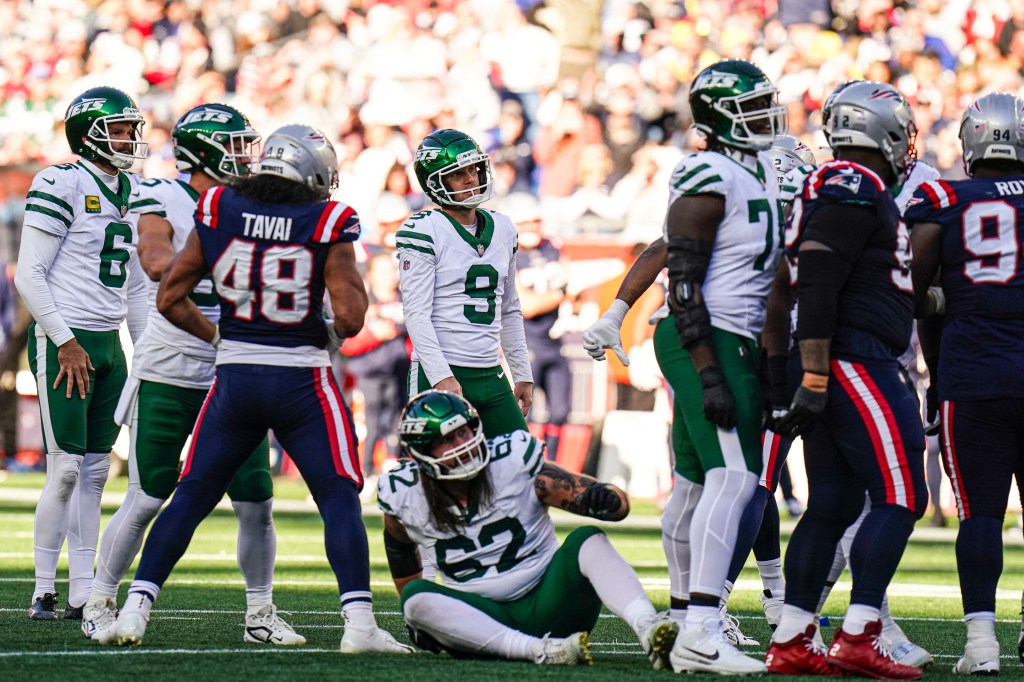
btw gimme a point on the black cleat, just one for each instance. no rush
(73, 612)
(44, 608)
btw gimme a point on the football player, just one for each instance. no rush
(79, 275)
(171, 373)
(273, 243)
(458, 281)
(860, 423)
(968, 233)
(479, 509)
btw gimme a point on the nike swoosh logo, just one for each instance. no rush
(701, 654)
(501, 374)
(49, 181)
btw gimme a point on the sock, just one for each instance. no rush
(794, 622)
(141, 597)
(979, 554)
(696, 615)
(726, 591)
(713, 528)
(357, 610)
(876, 552)
(51, 518)
(122, 539)
(981, 625)
(748, 531)
(459, 627)
(771, 576)
(857, 616)
(615, 581)
(678, 616)
(675, 534)
(84, 525)
(348, 550)
(767, 544)
(257, 549)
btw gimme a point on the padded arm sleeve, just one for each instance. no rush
(688, 261)
(403, 559)
(822, 274)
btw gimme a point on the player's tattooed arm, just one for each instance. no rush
(580, 494)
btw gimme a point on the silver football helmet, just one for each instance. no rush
(874, 115)
(787, 152)
(993, 129)
(300, 153)
(826, 107)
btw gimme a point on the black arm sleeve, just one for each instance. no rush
(822, 274)
(403, 559)
(844, 228)
(688, 261)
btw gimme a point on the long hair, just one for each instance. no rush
(270, 189)
(440, 503)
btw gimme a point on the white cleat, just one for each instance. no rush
(98, 615)
(657, 638)
(571, 650)
(901, 649)
(264, 626)
(980, 658)
(375, 641)
(707, 650)
(1020, 637)
(732, 632)
(128, 630)
(772, 603)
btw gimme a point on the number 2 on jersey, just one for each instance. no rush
(285, 272)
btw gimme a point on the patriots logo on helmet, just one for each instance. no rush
(846, 178)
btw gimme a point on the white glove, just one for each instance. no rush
(605, 333)
(333, 340)
(215, 341)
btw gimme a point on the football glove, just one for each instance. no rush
(933, 423)
(599, 501)
(605, 333)
(719, 405)
(333, 340)
(215, 341)
(803, 412)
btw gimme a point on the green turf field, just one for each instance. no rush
(196, 631)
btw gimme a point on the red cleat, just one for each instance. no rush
(866, 656)
(800, 656)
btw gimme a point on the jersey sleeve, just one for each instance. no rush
(148, 198)
(338, 223)
(413, 238)
(49, 205)
(793, 182)
(842, 182)
(929, 199)
(698, 174)
(516, 459)
(393, 488)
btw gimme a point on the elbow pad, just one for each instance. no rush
(688, 261)
(403, 559)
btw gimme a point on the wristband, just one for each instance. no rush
(813, 381)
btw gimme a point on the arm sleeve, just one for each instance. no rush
(138, 298)
(513, 334)
(841, 227)
(38, 249)
(416, 283)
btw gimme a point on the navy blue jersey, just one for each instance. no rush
(539, 269)
(876, 303)
(267, 262)
(982, 350)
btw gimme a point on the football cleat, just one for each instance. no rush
(980, 658)
(706, 649)
(901, 648)
(1020, 637)
(264, 626)
(772, 603)
(801, 655)
(657, 638)
(72, 612)
(865, 655)
(375, 641)
(44, 608)
(128, 630)
(732, 632)
(571, 650)
(98, 615)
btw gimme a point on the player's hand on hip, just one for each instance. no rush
(604, 334)
(450, 384)
(807, 406)
(75, 365)
(523, 391)
(933, 423)
(719, 405)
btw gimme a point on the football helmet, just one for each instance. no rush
(433, 414)
(735, 104)
(787, 152)
(826, 108)
(993, 129)
(216, 139)
(443, 152)
(302, 154)
(87, 127)
(874, 115)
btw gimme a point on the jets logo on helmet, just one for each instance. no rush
(734, 105)
(444, 152)
(433, 415)
(87, 123)
(215, 139)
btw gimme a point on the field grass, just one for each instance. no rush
(196, 631)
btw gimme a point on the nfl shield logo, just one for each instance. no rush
(405, 265)
(480, 249)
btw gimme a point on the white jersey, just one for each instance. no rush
(502, 551)
(748, 246)
(165, 353)
(459, 293)
(920, 173)
(88, 278)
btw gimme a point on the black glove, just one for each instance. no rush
(932, 424)
(805, 409)
(599, 500)
(719, 406)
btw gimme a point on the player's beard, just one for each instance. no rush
(442, 505)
